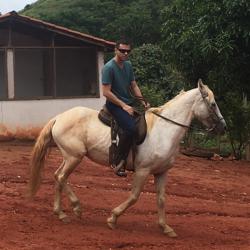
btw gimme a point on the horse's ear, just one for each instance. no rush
(202, 88)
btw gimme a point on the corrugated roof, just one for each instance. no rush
(57, 28)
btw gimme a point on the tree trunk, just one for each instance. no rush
(248, 152)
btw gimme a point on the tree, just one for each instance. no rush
(210, 40)
(238, 122)
(138, 20)
(159, 81)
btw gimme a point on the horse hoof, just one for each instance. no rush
(171, 234)
(110, 223)
(78, 213)
(66, 220)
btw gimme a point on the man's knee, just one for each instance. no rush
(131, 128)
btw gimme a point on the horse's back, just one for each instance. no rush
(78, 112)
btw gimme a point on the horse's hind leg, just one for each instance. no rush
(77, 208)
(61, 176)
(160, 182)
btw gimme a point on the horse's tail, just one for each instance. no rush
(39, 153)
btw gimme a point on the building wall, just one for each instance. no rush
(23, 119)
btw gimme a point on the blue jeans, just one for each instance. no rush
(127, 123)
(123, 118)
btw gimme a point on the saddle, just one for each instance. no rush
(141, 131)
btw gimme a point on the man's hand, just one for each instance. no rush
(128, 109)
(146, 105)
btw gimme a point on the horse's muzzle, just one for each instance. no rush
(221, 127)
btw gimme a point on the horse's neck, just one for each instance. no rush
(164, 137)
(180, 109)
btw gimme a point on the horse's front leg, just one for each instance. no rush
(160, 182)
(139, 179)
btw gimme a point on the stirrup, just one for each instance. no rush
(119, 169)
(121, 173)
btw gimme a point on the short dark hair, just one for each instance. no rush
(122, 41)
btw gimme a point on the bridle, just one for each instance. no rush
(212, 114)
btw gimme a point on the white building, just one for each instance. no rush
(44, 70)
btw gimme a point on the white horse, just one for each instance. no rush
(78, 133)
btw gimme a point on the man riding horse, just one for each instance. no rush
(117, 79)
(79, 133)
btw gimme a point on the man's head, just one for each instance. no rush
(122, 50)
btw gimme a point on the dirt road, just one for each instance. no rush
(208, 205)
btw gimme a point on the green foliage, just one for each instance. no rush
(210, 40)
(137, 20)
(153, 95)
(154, 73)
(237, 114)
(208, 142)
(149, 65)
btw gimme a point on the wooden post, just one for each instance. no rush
(10, 73)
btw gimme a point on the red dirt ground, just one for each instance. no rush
(208, 205)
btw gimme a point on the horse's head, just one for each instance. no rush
(207, 111)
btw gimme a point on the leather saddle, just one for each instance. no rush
(141, 130)
(141, 126)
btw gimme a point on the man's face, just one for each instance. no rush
(123, 51)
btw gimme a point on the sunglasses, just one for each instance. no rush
(123, 51)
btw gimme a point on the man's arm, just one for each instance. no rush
(106, 88)
(137, 92)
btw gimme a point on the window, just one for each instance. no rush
(4, 35)
(31, 74)
(63, 72)
(76, 72)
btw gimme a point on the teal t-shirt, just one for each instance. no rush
(119, 78)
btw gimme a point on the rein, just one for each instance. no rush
(169, 120)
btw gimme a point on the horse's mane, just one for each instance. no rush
(150, 117)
